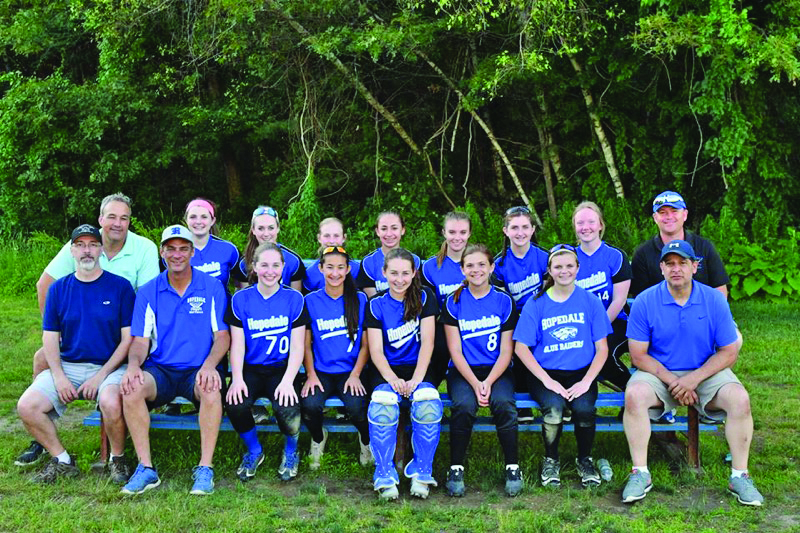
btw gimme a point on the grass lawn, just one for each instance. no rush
(339, 496)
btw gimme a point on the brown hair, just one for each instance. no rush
(471, 249)
(514, 212)
(548, 279)
(263, 247)
(252, 242)
(452, 215)
(389, 212)
(351, 305)
(412, 299)
(214, 229)
(594, 207)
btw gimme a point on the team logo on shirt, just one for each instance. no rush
(268, 327)
(401, 335)
(333, 328)
(564, 333)
(196, 305)
(446, 289)
(381, 285)
(212, 268)
(598, 280)
(484, 325)
(519, 289)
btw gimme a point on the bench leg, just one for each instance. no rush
(693, 435)
(100, 465)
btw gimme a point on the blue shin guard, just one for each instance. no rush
(426, 414)
(383, 414)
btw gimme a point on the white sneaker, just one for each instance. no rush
(317, 449)
(365, 458)
(419, 489)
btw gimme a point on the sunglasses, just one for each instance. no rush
(518, 210)
(265, 210)
(331, 249)
(668, 199)
(559, 247)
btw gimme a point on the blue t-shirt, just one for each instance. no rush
(600, 271)
(267, 323)
(293, 269)
(521, 277)
(89, 316)
(217, 259)
(481, 323)
(181, 328)
(401, 339)
(682, 337)
(443, 280)
(315, 280)
(334, 350)
(371, 272)
(562, 334)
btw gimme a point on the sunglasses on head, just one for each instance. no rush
(265, 210)
(331, 249)
(518, 210)
(559, 247)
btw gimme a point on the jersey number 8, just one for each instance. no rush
(491, 344)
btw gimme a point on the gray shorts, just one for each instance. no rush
(706, 391)
(77, 373)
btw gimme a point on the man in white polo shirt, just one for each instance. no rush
(179, 338)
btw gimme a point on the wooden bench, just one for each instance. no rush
(688, 424)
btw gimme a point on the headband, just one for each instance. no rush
(199, 202)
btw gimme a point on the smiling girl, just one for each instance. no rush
(331, 233)
(390, 228)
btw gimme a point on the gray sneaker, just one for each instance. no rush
(551, 472)
(455, 481)
(637, 487)
(745, 490)
(589, 475)
(54, 470)
(119, 470)
(513, 480)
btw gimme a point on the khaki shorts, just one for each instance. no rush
(77, 373)
(706, 392)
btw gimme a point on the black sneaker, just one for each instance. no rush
(172, 409)
(524, 414)
(455, 481)
(589, 475)
(31, 455)
(54, 470)
(513, 480)
(551, 472)
(119, 470)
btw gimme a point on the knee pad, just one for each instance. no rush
(426, 405)
(384, 407)
(426, 413)
(584, 420)
(552, 416)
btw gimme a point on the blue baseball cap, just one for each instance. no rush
(176, 232)
(677, 246)
(670, 198)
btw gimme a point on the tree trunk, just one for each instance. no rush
(544, 153)
(552, 149)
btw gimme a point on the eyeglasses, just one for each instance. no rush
(518, 210)
(559, 247)
(331, 249)
(265, 210)
(668, 199)
(94, 245)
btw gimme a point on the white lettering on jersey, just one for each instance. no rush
(596, 281)
(519, 289)
(273, 325)
(571, 318)
(401, 335)
(196, 305)
(212, 268)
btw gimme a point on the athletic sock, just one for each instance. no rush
(642, 469)
(64, 457)
(250, 439)
(737, 473)
(111, 456)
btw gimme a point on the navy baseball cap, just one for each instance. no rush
(176, 232)
(682, 248)
(85, 230)
(670, 198)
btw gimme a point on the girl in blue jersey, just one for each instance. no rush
(331, 233)
(389, 228)
(442, 273)
(264, 227)
(561, 339)
(336, 352)
(212, 255)
(606, 273)
(479, 322)
(400, 329)
(268, 328)
(520, 269)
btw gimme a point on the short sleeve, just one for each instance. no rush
(127, 300)
(139, 321)
(430, 307)
(239, 272)
(638, 323)
(639, 273)
(426, 277)
(512, 317)
(51, 320)
(234, 313)
(300, 271)
(370, 318)
(363, 280)
(303, 318)
(528, 330)
(149, 265)
(601, 326)
(218, 322)
(725, 327)
(62, 264)
(449, 311)
(717, 276)
(623, 272)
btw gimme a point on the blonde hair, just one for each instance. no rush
(329, 220)
(452, 215)
(594, 207)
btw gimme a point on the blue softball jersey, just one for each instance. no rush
(89, 316)
(481, 322)
(315, 280)
(267, 323)
(521, 277)
(442, 279)
(217, 259)
(562, 334)
(334, 350)
(401, 339)
(682, 337)
(181, 328)
(600, 271)
(371, 272)
(293, 269)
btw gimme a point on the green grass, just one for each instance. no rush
(338, 497)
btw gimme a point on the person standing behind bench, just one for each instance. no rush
(87, 319)
(683, 341)
(182, 312)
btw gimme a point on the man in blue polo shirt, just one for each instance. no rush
(179, 317)
(683, 341)
(86, 334)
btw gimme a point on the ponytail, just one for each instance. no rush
(459, 290)
(452, 215)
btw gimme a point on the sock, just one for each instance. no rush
(64, 457)
(512, 467)
(642, 469)
(737, 473)
(111, 456)
(250, 439)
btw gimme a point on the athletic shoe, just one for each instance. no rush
(260, 414)
(119, 470)
(419, 489)
(513, 480)
(566, 414)
(388, 493)
(172, 409)
(455, 481)
(144, 478)
(745, 490)
(203, 477)
(704, 419)
(365, 458)
(637, 487)
(589, 475)
(31, 455)
(55, 469)
(666, 418)
(249, 465)
(317, 449)
(524, 414)
(288, 469)
(551, 472)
